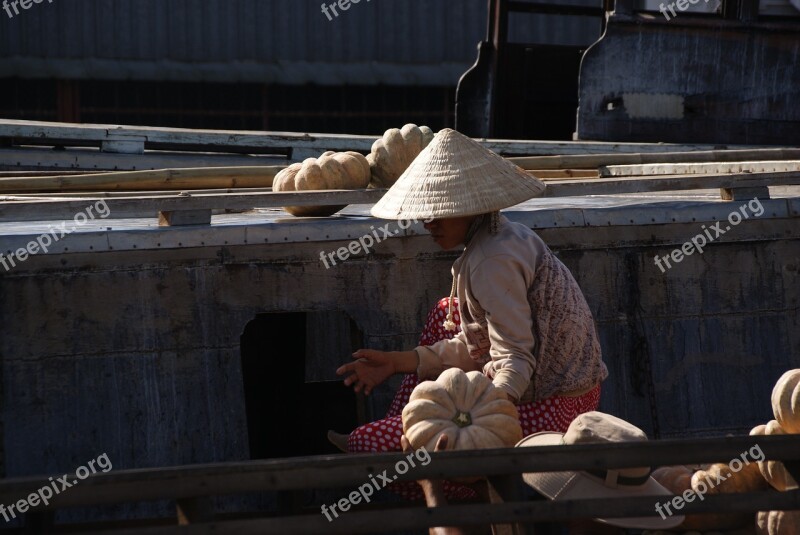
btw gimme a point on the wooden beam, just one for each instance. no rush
(255, 142)
(526, 512)
(593, 161)
(617, 186)
(563, 173)
(160, 179)
(93, 160)
(710, 168)
(149, 206)
(345, 471)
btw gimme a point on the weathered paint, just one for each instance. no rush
(736, 82)
(136, 353)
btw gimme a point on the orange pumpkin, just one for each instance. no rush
(778, 522)
(720, 479)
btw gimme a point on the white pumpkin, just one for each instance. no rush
(786, 401)
(467, 407)
(394, 151)
(332, 170)
(774, 471)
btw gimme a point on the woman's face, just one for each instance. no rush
(450, 232)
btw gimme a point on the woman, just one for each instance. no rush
(524, 321)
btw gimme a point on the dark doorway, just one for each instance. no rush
(292, 395)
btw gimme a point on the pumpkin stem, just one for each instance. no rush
(462, 419)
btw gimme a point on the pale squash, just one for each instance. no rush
(467, 407)
(394, 151)
(676, 479)
(786, 401)
(778, 522)
(774, 472)
(332, 170)
(718, 478)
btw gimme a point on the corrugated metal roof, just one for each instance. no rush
(373, 41)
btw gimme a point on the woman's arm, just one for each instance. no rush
(372, 367)
(453, 353)
(500, 285)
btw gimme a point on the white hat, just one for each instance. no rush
(592, 428)
(456, 176)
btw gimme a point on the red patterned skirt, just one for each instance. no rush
(550, 414)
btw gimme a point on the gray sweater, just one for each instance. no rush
(524, 320)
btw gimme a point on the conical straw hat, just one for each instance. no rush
(456, 176)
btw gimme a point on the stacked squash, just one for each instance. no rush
(390, 156)
(752, 477)
(394, 151)
(786, 409)
(332, 170)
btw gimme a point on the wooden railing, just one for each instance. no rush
(150, 204)
(281, 146)
(191, 486)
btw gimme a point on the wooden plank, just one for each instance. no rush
(593, 161)
(710, 168)
(11, 174)
(141, 206)
(149, 206)
(172, 179)
(256, 141)
(504, 489)
(551, 174)
(93, 160)
(109, 194)
(414, 518)
(161, 138)
(621, 185)
(347, 471)
(49, 197)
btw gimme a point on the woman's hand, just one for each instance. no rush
(371, 368)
